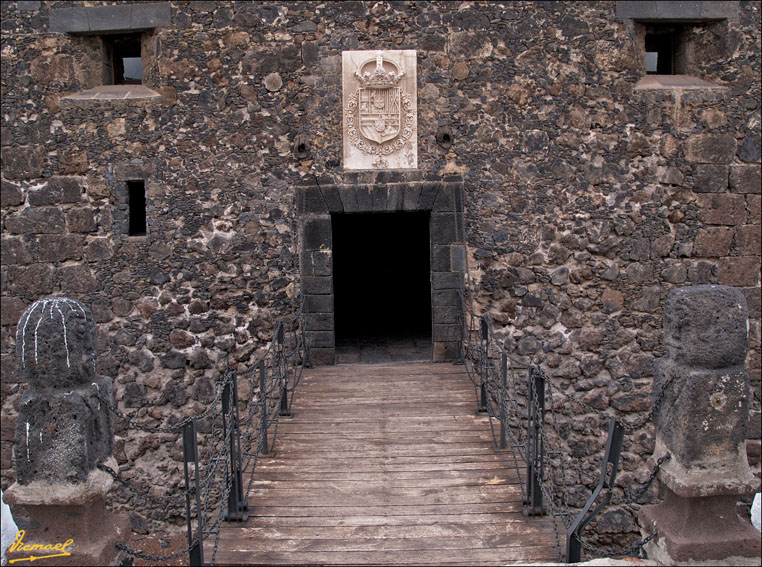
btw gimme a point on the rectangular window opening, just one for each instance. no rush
(665, 47)
(136, 198)
(123, 59)
(660, 49)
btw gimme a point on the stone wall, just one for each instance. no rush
(586, 199)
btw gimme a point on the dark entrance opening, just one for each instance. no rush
(381, 276)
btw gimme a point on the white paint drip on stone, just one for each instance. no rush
(51, 303)
(27, 441)
(66, 340)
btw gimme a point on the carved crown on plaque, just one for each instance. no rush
(379, 110)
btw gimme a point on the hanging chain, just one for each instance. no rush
(174, 500)
(631, 551)
(154, 558)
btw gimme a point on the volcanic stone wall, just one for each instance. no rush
(586, 199)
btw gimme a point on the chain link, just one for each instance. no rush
(154, 558)
(174, 500)
(636, 547)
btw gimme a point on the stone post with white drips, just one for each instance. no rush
(62, 432)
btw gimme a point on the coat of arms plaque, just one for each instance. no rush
(379, 110)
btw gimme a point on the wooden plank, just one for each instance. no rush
(259, 535)
(430, 556)
(292, 519)
(330, 543)
(441, 476)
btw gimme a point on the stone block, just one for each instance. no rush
(458, 258)
(99, 249)
(710, 148)
(317, 233)
(748, 240)
(705, 326)
(23, 162)
(709, 178)
(72, 162)
(56, 190)
(317, 285)
(445, 315)
(318, 303)
(173, 359)
(57, 248)
(332, 199)
(702, 272)
(10, 194)
(319, 339)
(745, 179)
(310, 201)
(719, 208)
(443, 228)
(447, 280)
(712, 401)
(755, 211)
(69, 20)
(750, 148)
(364, 196)
(11, 309)
(412, 197)
(395, 196)
(37, 220)
(318, 322)
(446, 297)
(81, 220)
(440, 258)
(349, 201)
(28, 5)
(146, 15)
(753, 297)
(428, 196)
(713, 242)
(446, 333)
(741, 271)
(77, 280)
(14, 251)
(36, 279)
(322, 356)
(108, 18)
(445, 350)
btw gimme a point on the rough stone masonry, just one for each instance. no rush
(587, 194)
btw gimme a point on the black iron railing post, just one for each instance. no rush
(484, 336)
(237, 505)
(535, 444)
(190, 454)
(611, 456)
(284, 409)
(503, 399)
(263, 400)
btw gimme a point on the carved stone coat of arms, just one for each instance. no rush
(380, 114)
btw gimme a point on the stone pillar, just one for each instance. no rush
(62, 432)
(701, 421)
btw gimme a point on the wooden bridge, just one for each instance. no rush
(385, 464)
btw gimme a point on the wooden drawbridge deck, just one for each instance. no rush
(385, 465)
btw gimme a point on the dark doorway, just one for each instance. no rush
(381, 275)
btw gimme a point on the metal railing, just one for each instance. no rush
(519, 399)
(223, 443)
